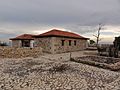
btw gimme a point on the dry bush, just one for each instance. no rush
(59, 68)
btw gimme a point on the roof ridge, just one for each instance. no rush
(56, 32)
(23, 36)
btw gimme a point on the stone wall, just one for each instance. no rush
(16, 43)
(58, 48)
(45, 43)
(54, 44)
(99, 61)
(12, 52)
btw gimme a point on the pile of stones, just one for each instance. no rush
(11, 52)
(35, 74)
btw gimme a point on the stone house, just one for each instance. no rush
(54, 41)
(57, 41)
(25, 40)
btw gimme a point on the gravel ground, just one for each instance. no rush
(55, 72)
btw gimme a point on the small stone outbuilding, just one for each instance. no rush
(25, 40)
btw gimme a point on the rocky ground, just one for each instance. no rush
(55, 72)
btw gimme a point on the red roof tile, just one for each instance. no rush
(23, 37)
(55, 32)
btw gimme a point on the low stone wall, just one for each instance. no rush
(11, 52)
(102, 62)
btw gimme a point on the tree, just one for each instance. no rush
(98, 34)
(3, 44)
(92, 42)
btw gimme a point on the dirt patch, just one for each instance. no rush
(59, 68)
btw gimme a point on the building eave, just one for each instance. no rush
(60, 36)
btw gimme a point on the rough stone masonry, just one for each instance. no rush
(12, 52)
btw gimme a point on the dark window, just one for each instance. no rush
(75, 42)
(63, 42)
(25, 43)
(69, 42)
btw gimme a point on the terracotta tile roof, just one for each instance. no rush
(55, 32)
(23, 37)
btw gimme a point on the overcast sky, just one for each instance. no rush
(80, 16)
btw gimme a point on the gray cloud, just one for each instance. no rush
(59, 11)
(25, 16)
